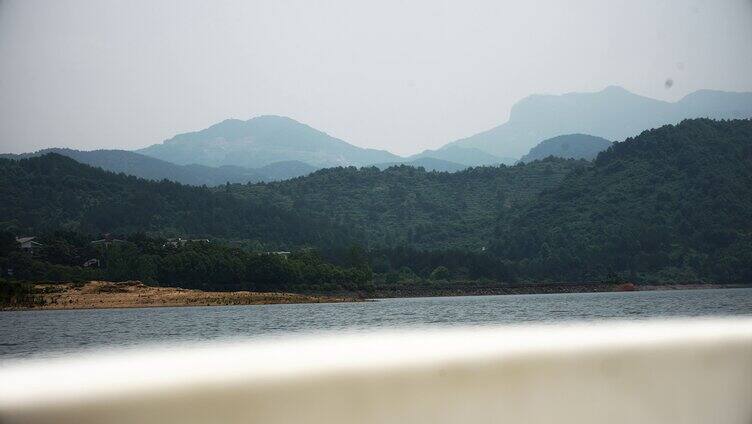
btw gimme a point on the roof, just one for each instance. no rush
(107, 241)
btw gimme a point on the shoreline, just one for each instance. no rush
(459, 290)
(134, 294)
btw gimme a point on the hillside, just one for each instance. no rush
(410, 206)
(613, 113)
(337, 206)
(262, 141)
(674, 202)
(54, 192)
(149, 168)
(570, 146)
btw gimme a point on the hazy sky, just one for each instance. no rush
(398, 75)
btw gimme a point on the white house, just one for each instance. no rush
(27, 244)
(107, 241)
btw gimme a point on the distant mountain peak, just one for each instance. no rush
(275, 118)
(613, 113)
(260, 141)
(615, 89)
(568, 146)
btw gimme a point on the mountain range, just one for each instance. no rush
(131, 163)
(262, 141)
(269, 148)
(613, 113)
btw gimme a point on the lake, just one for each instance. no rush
(57, 333)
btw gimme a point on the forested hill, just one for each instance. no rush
(398, 206)
(53, 192)
(404, 205)
(674, 200)
(674, 203)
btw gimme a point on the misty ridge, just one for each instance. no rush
(273, 148)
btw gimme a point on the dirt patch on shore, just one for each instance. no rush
(134, 294)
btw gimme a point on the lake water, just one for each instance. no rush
(57, 333)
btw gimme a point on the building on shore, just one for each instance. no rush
(107, 241)
(27, 244)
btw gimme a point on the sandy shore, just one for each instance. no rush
(134, 294)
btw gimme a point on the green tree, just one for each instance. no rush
(440, 273)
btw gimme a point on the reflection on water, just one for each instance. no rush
(52, 333)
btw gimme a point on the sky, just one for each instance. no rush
(397, 75)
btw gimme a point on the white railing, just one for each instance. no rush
(697, 371)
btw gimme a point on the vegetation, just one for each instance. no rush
(408, 206)
(17, 294)
(194, 264)
(330, 208)
(52, 192)
(673, 204)
(427, 163)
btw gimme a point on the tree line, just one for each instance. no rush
(191, 264)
